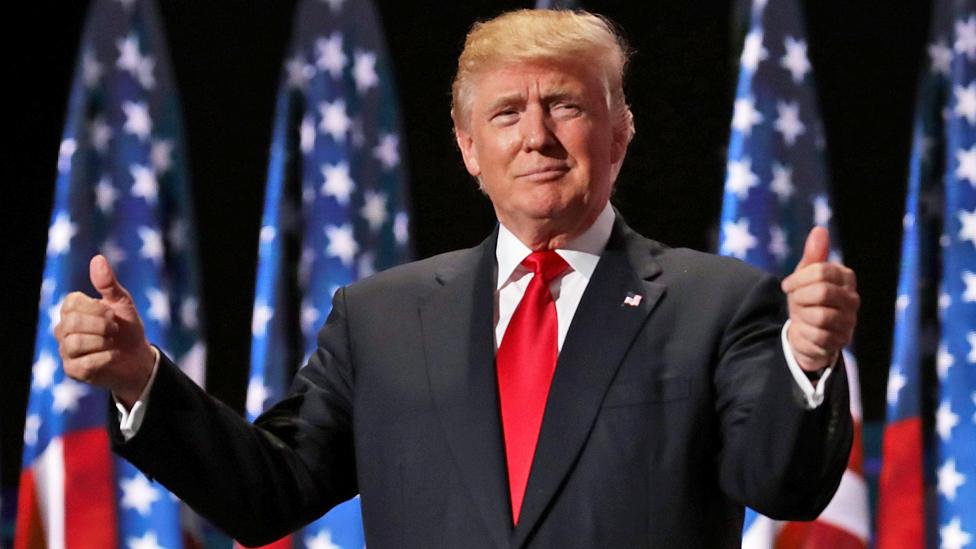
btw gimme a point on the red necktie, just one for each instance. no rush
(526, 360)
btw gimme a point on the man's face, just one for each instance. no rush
(540, 139)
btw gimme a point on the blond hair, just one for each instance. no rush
(545, 35)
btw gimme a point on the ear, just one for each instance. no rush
(618, 147)
(468, 151)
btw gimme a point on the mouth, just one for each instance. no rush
(544, 173)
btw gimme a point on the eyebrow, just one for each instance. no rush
(550, 96)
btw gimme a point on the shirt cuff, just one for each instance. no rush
(813, 395)
(131, 420)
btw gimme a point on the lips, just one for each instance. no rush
(544, 173)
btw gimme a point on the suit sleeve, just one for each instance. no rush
(776, 456)
(257, 482)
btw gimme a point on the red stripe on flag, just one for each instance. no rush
(901, 504)
(89, 492)
(29, 533)
(283, 543)
(816, 535)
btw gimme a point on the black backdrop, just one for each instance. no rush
(226, 57)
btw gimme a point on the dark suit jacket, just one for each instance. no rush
(662, 421)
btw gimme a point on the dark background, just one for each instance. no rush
(227, 55)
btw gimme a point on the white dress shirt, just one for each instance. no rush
(582, 254)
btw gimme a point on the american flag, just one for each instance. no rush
(775, 192)
(335, 205)
(121, 190)
(936, 308)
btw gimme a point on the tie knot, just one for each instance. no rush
(547, 264)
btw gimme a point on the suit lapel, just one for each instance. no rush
(599, 336)
(458, 332)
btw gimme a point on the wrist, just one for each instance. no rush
(142, 372)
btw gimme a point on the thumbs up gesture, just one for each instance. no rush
(823, 303)
(102, 341)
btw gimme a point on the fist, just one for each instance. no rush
(823, 304)
(102, 341)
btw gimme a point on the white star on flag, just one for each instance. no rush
(161, 155)
(91, 69)
(299, 73)
(112, 252)
(194, 363)
(821, 211)
(740, 178)
(54, 313)
(967, 164)
(257, 393)
(158, 305)
(950, 479)
(778, 246)
(105, 195)
(129, 57)
(335, 121)
(32, 427)
(42, 373)
(896, 382)
(259, 319)
(137, 121)
(738, 240)
(66, 395)
(965, 102)
(940, 56)
(953, 536)
(386, 151)
(267, 234)
(782, 183)
(322, 540)
(342, 243)
(968, 229)
(374, 209)
(971, 340)
(188, 313)
(943, 361)
(147, 541)
(901, 303)
(145, 185)
(366, 265)
(945, 420)
(400, 228)
(795, 60)
(745, 115)
(101, 134)
(65, 153)
(152, 244)
(338, 183)
(331, 58)
(60, 233)
(788, 123)
(364, 71)
(138, 494)
(969, 294)
(307, 134)
(966, 37)
(309, 316)
(753, 51)
(144, 73)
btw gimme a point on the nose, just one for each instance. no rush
(537, 134)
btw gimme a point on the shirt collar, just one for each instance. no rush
(582, 252)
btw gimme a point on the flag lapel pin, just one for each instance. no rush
(632, 299)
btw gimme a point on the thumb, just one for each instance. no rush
(816, 248)
(103, 279)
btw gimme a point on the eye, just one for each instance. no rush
(504, 117)
(566, 110)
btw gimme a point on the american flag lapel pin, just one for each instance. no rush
(632, 299)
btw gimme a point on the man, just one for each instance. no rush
(567, 383)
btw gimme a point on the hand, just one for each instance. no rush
(102, 341)
(823, 303)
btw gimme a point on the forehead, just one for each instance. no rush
(521, 79)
